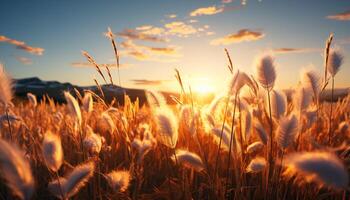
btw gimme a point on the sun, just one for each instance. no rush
(203, 89)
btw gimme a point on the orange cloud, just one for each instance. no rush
(171, 16)
(211, 10)
(226, 1)
(285, 50)
(241, 36)
(140, 35)
(344, 16)
(24, 60)
(22, 45)
(141, 52)
(147, 82)
(179, 28)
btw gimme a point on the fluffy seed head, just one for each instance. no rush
(259, 129)
(88, 103)
(52, 151)
(167, 126)
(335, 60)
(32, 99)
(71, 184)
(142, 147)
(189, 160)
(15, 169)
(302, 99)
(5, 87)
(93, 143)
(278, 104)
(73, 106)
(255, 147)
(119, 180)
(155, 99)
(265, 71)
(287, 130)
(311, 79)
(256, 165)
(322, 168)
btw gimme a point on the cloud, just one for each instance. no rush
(210, 33)
(344, 16)
(24, 60)
(110, 65)
(171, 16)
(22, 45)
(243, 35)
(211, 10)
(193, 21)
(179, 28)
(142, 52)
(147, 82)
(226, 1)
(145, 34)
(286, 50)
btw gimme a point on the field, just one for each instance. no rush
(249, 142)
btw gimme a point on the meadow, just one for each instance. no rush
(249, 142)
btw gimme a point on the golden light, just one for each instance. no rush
(202, 86)
(203, 89)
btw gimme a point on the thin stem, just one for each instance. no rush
(271, 142)
(331, 114)
(8, 122)
(231, 139)
(220, 141)
(59, 184)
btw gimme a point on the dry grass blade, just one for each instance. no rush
(92, 61)
(230, 66)
(111, 36)
(326, 56)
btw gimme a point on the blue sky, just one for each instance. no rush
(192, 41)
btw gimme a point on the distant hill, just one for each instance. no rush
(55, 89)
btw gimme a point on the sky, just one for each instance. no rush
(45, 39)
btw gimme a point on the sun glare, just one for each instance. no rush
(203, 89)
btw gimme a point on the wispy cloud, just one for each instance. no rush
(226, 1)
(22, 45)
(148, 82)
(340, 16)
(171, 16)
(146, 34)
(180, 28)
(193, 21)
(243, 35)
(211, 10)
(142, 52)
(110, 65)
(24, 60)
(286, 50)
